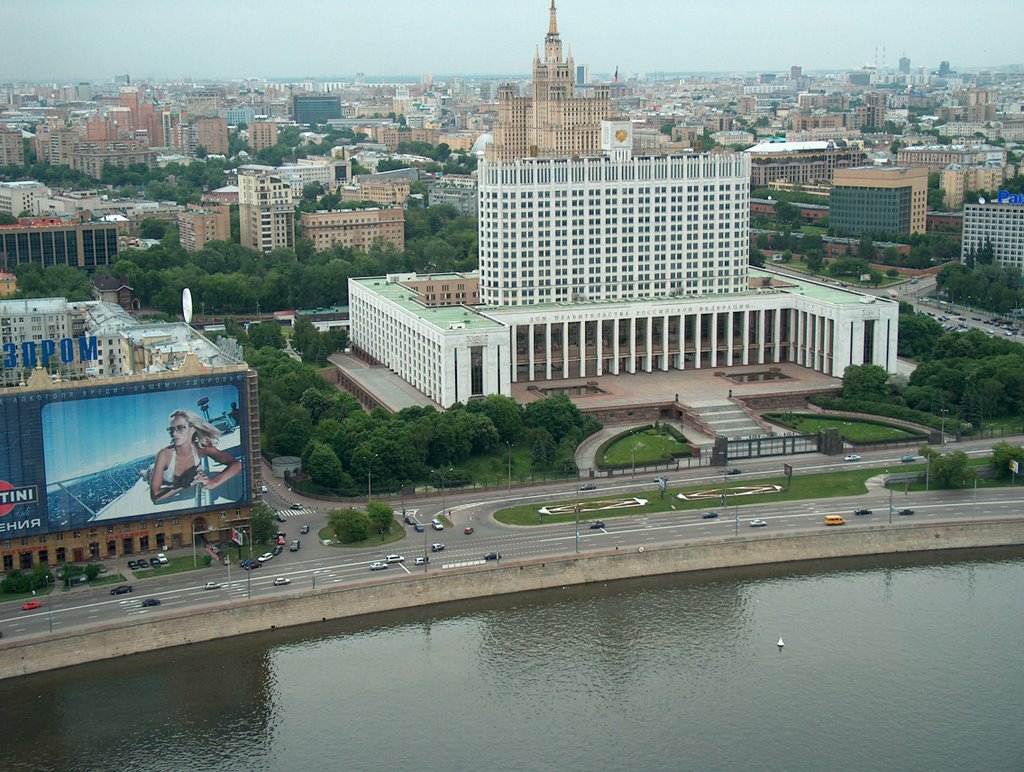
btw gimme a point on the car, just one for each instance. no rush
(247, 563)
(161, 558)
(862, 511)
(588, 487)
(121, 589)
(282, 538)
(468, 530)
(294, 546)
(104, 569)
(282, 580)
(419, 527)
(297, 506)
(852, 457)
(378, 566)
(151, 602)
(735, 471)
(437, 525)
(277, 550)
(710, 516)
(265, 557)
(407, 519)
(212, 586)
(905, 512)
(31, 605)
(437, 547)
(264, 489)
(394, 559)
(492, 556)
(253, 565)
(758, 523)
(133, 566)
(975, 318)
(143, 563)
(281, 518)
(421, 560)
(304, 529)
(908, 459)
(596, 525)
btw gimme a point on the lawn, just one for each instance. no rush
(325, 534)
(651, 446)
(817, 486)
(177, 565)
(849, 429)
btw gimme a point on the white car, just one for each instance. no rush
(378, 566)
(211, 586)
(161, 558)
(421, 560)
(265, 557)
(758, 523)
(394, 559)
(852, 457)
(281, 580)
(437, 525)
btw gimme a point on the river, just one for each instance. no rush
(909, 663)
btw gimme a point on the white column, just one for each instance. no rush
(565, 349)
(760, 336)
(649, 354)
(514, 352)
(598, 341)
(682, 342)
(746, 337)
(730, 335)
(547, 351)
(615, 346)
(777, 319)
(664, 342)
(697, 325)
(799, 338)
(632, 323)
(714, 340)
(583, 348)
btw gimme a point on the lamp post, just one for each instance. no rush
(942, 430)
(634, 461)
(577, 519)
(509, 444)
(369, 476)
(441, 473)
(890, 495)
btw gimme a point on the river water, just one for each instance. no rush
(903, 663)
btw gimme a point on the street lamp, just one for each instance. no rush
(634, 461)
(369, 476)
(441, 473)
(509, 444)
(577, 519)
(887, 485)
(942, 430)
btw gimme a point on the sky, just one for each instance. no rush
(70, 40)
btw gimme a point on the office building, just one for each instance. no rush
(18, 197)
(1000, 225)
(800, 163)
(605, 263)
(198, 225)
(937, 157)
(904, 65)
(314, 110)
(55, 242)
(357, 229)
(879, 200)
(266, 213)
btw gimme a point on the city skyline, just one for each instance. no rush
(651, 37)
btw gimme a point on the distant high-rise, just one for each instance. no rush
(212, 134)
(943, 69)
(904, 65)
(582, 74)
(553, 121)
(262, 134)
(796, 72)
(265, 211)
(315, 110)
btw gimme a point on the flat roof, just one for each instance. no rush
(441, 317)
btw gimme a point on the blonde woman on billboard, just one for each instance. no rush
(185, 464)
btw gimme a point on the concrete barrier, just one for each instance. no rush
(65, 649)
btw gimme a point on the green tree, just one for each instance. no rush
(950, 470)
(382, 516)
(92, 571)
(293, 437)
(261, 524)
(557, 414)
(8, 219)
(265, 334)
(317, 403)
(323, 465)
(543, 450)
(864, 382)
(349, 525)
(1002, 454)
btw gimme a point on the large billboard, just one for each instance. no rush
(92, 456)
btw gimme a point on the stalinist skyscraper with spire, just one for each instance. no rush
(553, 122)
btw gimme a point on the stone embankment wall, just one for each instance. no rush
(442, 585)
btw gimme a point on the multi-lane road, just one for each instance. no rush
(317, 566)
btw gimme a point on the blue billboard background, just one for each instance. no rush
(89, 451)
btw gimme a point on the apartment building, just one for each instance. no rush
(354, 228)
(20, 196)
(12, 148)
(198, 225)
(262, 134)
(212, 134)
(265, 211)
(800, 162)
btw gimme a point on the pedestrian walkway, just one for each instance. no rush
(303, 512)
(727, 419)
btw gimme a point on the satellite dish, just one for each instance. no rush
(186, 305)
(981, 200)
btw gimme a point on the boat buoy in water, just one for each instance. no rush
(780, 644)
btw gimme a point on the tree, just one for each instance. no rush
(864, 382)
(949, 471)
(544, 449)
(92, 571)
(292, 438)
(349, 525)
(317, 403)
(556, 414)
(266, 334)
(261, 524)
(8, 219)
(322, 465)
(382, 516)
(1002, 454)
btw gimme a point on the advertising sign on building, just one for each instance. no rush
(90, 457)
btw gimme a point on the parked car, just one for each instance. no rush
(304, 529)
(908, 459)
(248, 563)
(596, 525)
(378, 566)
(492, 556)
(437, 547)
(758, 523)
(394, 559)
(468, 530)
(735, 471)
(419, 527)
(32, 604)
(852, 457)
(421, 560)
(212, 586)
(161, 558)
(151, 602)
(133, 566)
(143, 563)
(710, 516)
(265, 557)
(588, 487)
(282, 580)
(906, 512)
(862, 511)
(253, 565)
(121, 589)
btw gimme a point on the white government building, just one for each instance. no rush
(604, 262)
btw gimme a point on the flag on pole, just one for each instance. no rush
(237, 537)
(616, 73)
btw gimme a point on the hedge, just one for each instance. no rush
(884, 409)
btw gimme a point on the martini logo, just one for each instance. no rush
(12, 495)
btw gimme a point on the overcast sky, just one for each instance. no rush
(95, 39)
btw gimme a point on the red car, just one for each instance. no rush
(469, 530)
(31, 605)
